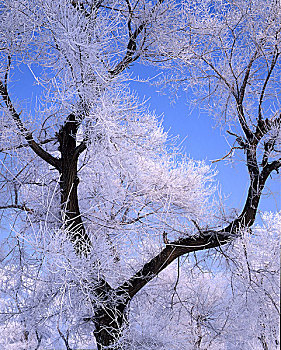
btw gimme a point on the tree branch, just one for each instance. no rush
(26, 133)
(43, 142)
(270, 167)
(131, 50)
(242, 89)
(273, 63)
(239, 100)
(79, 149)
(17, 206)
(80, 6)
(132, 43)
(205, 240)
(222, 158)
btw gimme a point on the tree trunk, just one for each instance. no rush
(69, 181)
(110, 316)
(109, 321)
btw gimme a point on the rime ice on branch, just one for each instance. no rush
(106, 214)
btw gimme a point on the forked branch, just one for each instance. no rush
(131, 54)
(25, 132)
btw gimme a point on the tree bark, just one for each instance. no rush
(69, 181)
(109, 321)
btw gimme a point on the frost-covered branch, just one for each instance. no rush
(25, 133)
(112, 200)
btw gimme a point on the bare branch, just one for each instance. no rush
(43, 142)
(79, 149)
(270, 167)
(231, 150)
(273, 63)
(26, 133)
(7, 71)
(65, 339)
(239, 100)
(230, 87)
(131, 53)
(80, 6)
(17, 206)
(205, 240)
(242, 90)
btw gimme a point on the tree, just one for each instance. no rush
(99, 200)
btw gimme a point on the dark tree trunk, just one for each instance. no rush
(110, 315)
(69, 181)
(109, 321)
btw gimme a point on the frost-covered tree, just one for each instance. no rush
(100, 203)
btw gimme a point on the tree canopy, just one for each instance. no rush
(105, 213)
